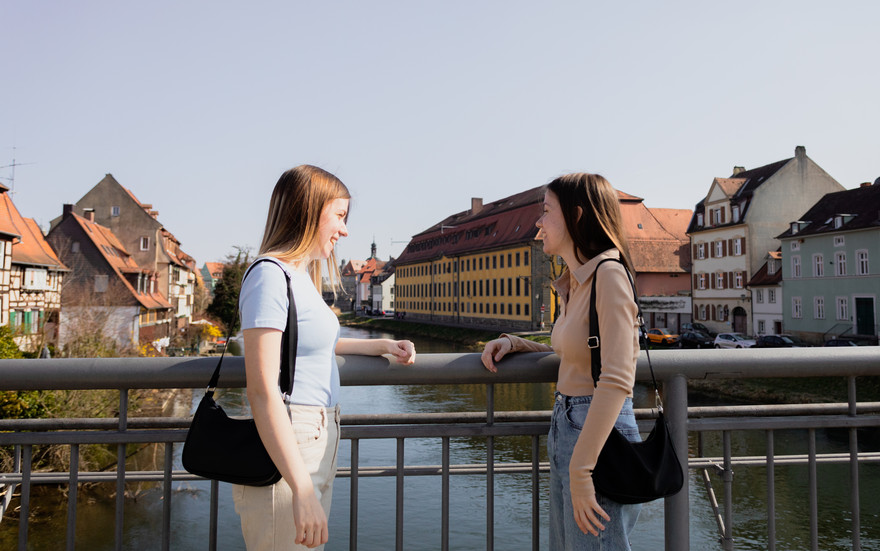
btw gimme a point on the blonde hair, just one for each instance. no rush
(295, 210)
(600, 227)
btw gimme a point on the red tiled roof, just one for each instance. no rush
(120, 261)
(31, 247)
(215, 269)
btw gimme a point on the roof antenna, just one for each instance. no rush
(11, 179)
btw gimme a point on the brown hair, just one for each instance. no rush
(601, 226)
(295, 210)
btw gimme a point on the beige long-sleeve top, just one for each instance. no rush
(619, 347)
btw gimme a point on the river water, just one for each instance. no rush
(376, 521)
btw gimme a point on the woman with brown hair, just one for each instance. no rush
(581, 223)
(307, 216)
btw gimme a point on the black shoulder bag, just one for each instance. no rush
(227, 449)
(633, 472)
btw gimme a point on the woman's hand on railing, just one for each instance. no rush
(403, 351)
(494, 351)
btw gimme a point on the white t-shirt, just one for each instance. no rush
(263, 304)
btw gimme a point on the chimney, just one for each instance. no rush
(800, 152)
(866, 184)
(476, 204)
(738, 170)
(66, 211)
(89, 214)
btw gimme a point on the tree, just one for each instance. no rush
(225, 303)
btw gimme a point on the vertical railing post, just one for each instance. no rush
(72, 491)
(25, 500)
(855, 506)
(167, 484)
(353, 495)
(677, 508)
(120, 469)
(444, 519)
(771, 492)
(727, 477)
(490, 470)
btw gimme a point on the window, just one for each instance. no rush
(719, 280)
(501, 257)
(114, 211)
(737, 246)
(862, 267)
(839, 241)
(734, 214)
(760, 326)
(796, 266)
(759, 295)
(74, 247)
(719, 249)
(819, 308)
(526, 260)
(772, 266)
(738, 280)
(838, 222)
(796, 311)
(771, 295)
(842, 309)
(101, 283)
(35, 279)
(701, 251)
(795, 245)
(517, 259)
(840, 264)
(716, 216)
(818, 265)
(702, 311)
(701, 281)
(699, 220)
(145, 243)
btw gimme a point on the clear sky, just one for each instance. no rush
(198, 107)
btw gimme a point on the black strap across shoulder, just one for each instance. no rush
(289, 340)
(594, 342)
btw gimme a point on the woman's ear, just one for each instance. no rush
(580, 213)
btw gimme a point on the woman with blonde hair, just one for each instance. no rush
(581, 223)
(307, 216)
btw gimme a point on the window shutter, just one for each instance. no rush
(695, 251)
(730, 246)
(696, 281)
(713, 313)
(724, 248)
(722, 214)
(711, 247)
(742, 245)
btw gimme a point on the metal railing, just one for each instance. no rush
(673, 369)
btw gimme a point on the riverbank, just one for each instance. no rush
(473, 339)
(764, 391)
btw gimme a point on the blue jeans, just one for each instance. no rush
(569, 414)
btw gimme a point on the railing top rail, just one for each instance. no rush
(121, 373)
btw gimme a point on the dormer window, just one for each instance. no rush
(838, 222)
(794, 227)
(700, 220)
(734, 214)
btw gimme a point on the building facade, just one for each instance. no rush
(32, 278)
(737, 224)
(831, 267)
(149, 243)
(106, 292)
(765, 289)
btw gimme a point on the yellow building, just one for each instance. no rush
(481, 267)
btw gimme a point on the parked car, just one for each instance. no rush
(733, 340)
(698, 327)
(661, 335)
(779, 341)
(840, 342)
(695, 339)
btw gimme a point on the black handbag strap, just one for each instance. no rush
(289, 340)
(594, 342)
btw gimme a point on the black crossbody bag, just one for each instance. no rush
(633, 472)
(229, 449)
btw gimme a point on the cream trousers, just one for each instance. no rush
(267, 512)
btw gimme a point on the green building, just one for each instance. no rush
(831, 268)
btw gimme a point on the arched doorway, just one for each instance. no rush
(740, 320)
